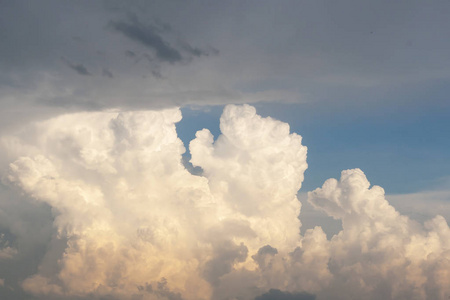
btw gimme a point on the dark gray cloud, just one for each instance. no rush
(267, 249)
(226, 255)
(149, 37)
(160, 290)
(130, 53)
(107, 73)
(275, 294)
(261, 256)
(27, 229)
(79, 68)
(195, 51)
(295, 52)
(156, 36)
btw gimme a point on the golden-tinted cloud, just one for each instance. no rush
(136, 224)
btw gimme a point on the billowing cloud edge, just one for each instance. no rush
(138, 225)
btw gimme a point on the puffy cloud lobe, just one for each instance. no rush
(132, 214)
(255, 166)
(135, 224)
(120, 196)
(380, 253)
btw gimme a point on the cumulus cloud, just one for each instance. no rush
(256, 166)
(132, 222)
(381, 253)
(132, 214)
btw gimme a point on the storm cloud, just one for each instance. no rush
(120, 194)
(218, 53)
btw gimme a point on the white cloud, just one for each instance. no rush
(121, 195)
(379, 251)
(256, 167)
(135, 224)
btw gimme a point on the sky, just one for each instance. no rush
(250, 150)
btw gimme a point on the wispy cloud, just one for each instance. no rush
(149, 37)
(77, 67)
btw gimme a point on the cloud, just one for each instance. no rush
(107, 73)
(130, 53)
(437, 203)
(6, 251)
(379, 251)
(142, 204)
(131, 222)
(79, 68)
(258, 61)
(36, 85)
(149, 37)
(274, 294)
(153, 38)
(225, 257)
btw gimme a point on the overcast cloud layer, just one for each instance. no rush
(129, 221)
(88, 55)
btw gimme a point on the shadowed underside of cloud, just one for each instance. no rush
(133, 223)
(123, 55)
(279, 295)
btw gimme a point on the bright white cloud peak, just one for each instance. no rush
(138, 225)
